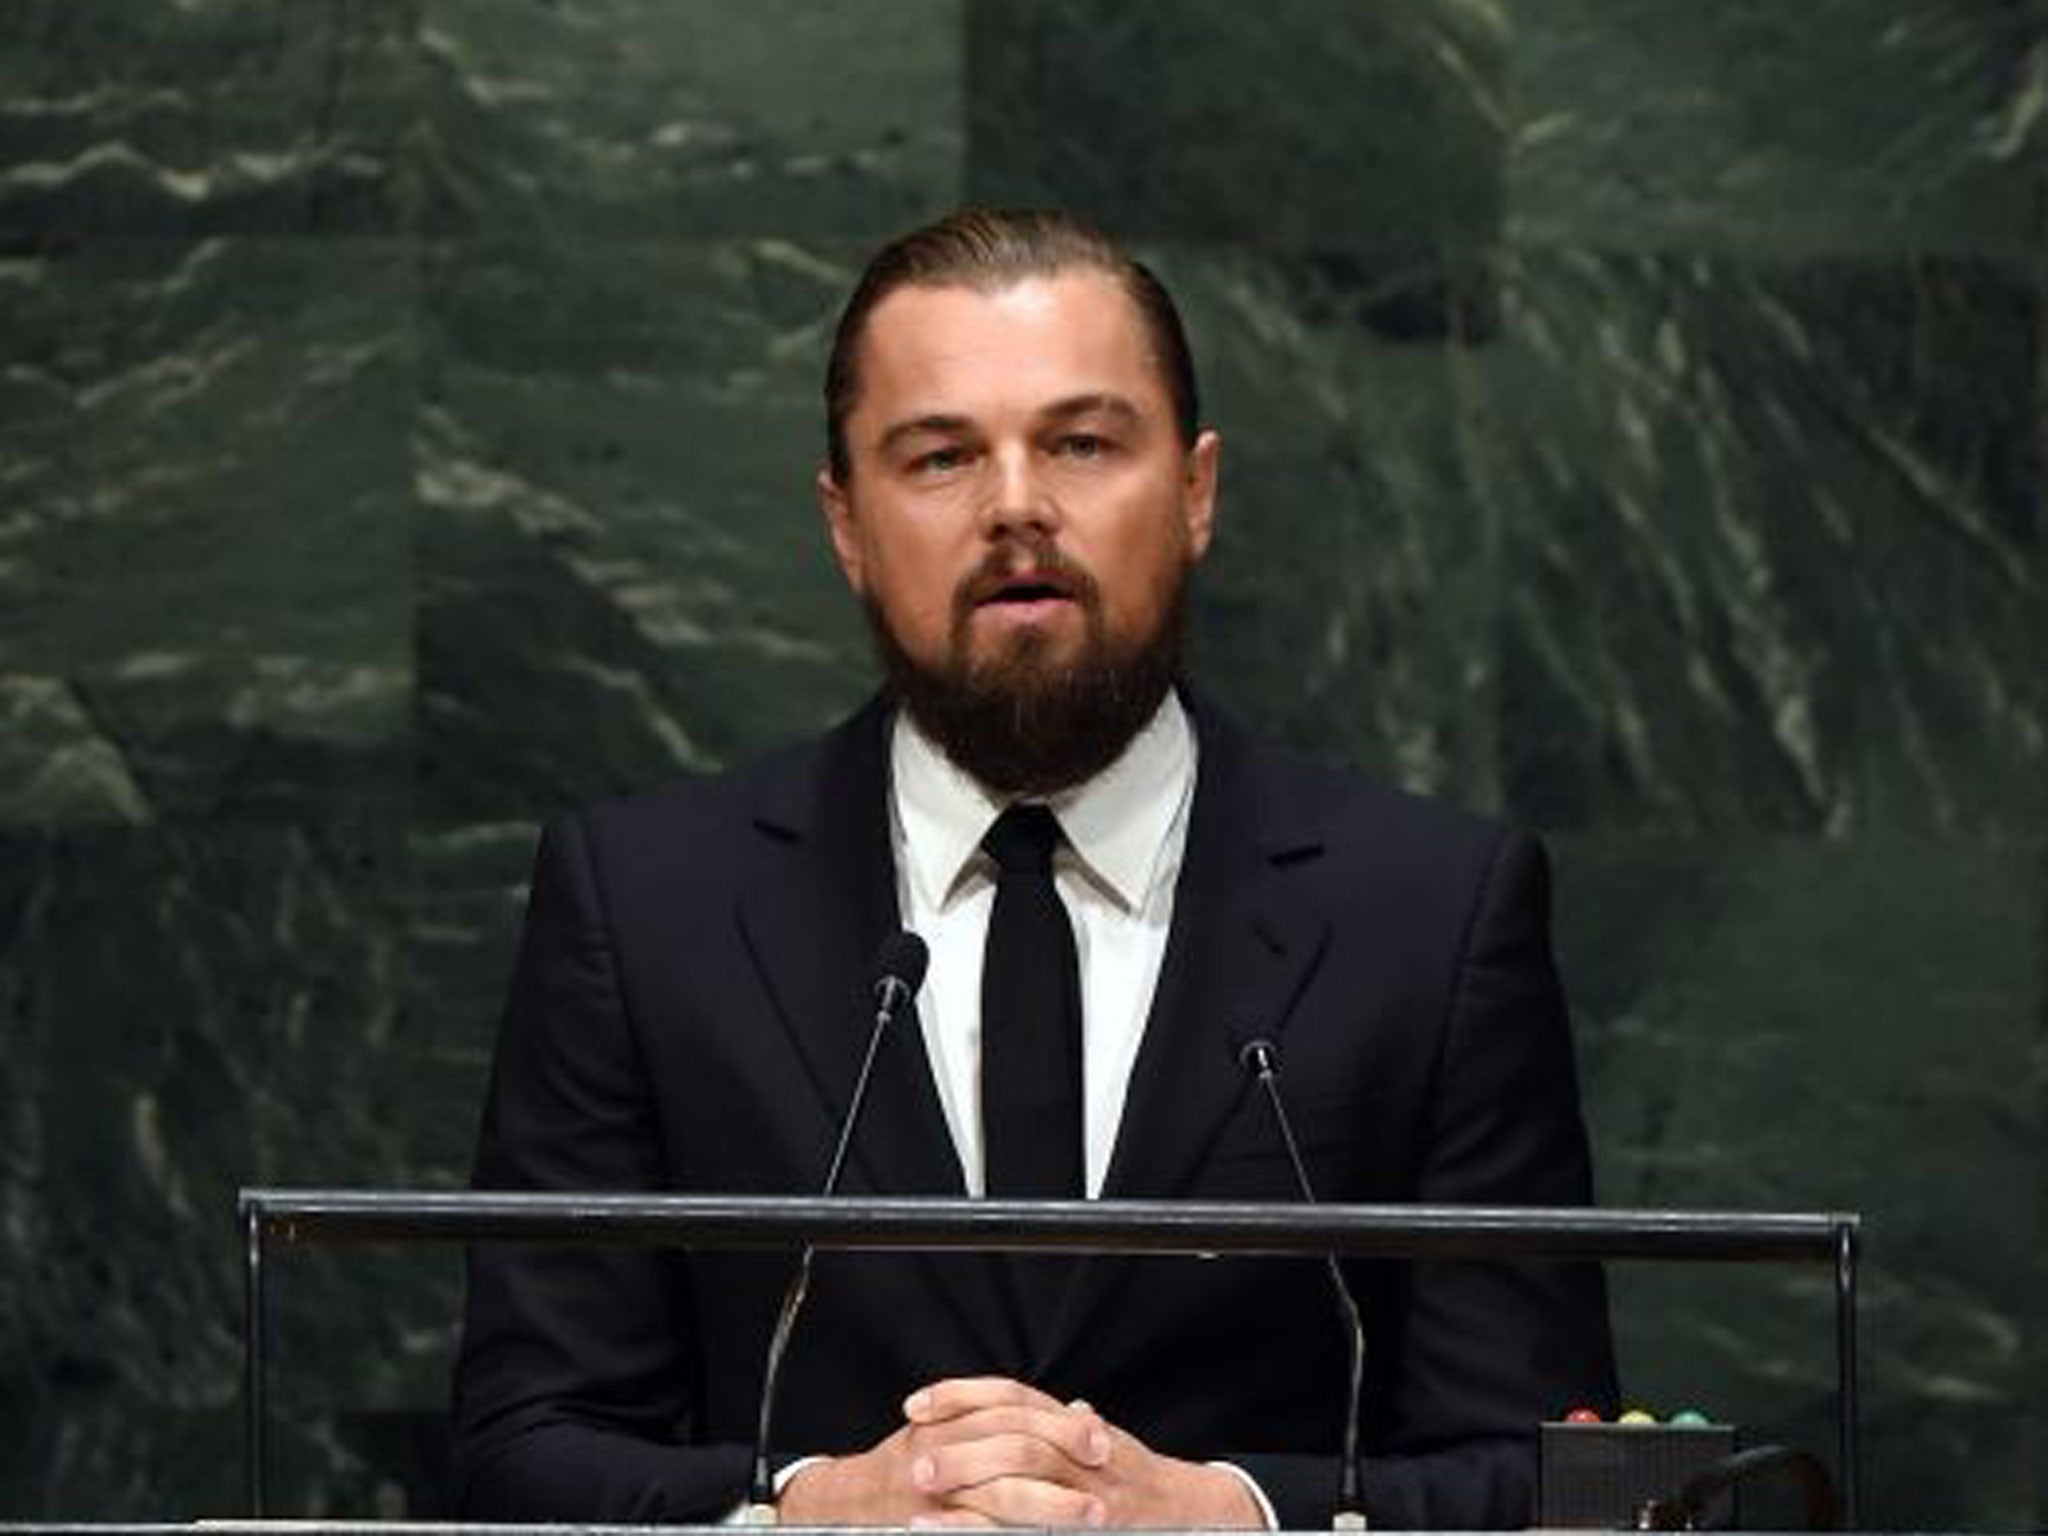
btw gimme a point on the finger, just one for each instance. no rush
(951, 1518)
(1028, 1501)
(944, 1470)
(1099, 1433)
(964, 1394)
(1091, 1431)
(1081, 1438)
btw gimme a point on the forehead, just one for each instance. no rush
(970, 351)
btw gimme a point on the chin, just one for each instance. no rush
(1030, 652)
(1038, 708)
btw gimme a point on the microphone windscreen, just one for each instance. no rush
(1258, 1055)
(901, 958)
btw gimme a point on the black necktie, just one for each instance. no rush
(1030, 1019)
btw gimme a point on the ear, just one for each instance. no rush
(837, 507)
(1198, 492)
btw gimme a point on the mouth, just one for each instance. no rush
(1016, 592)
(1022, 591)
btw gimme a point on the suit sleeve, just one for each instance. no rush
(573, 1387)
(1464, 1360)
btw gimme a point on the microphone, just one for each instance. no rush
(898, 971)
(1261, 1058)
(1689, 1509)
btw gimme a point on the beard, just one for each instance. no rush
(1024, 721)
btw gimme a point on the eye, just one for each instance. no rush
(1081, 445)
(939, 461)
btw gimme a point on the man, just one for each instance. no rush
(1017, 489)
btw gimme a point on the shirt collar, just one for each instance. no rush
(1117, 823)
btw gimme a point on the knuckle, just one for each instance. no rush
(1018, 1500)
(1071, 1508)
(1026, 1454)
(1008, 1454)
(1017, 1420)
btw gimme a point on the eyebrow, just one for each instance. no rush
(939, 424)
(920, 426)
(1104, 403)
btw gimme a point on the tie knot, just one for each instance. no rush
(1022, 840)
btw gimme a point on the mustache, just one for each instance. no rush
(1029, 559)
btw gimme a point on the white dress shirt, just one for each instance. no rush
(1125, 831)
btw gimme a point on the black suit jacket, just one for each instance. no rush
(689, 1008)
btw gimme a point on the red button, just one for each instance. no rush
(1582, 1416)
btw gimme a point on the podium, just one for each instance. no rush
(273, 1218)
(460, 1528)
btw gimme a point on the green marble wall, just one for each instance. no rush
(1636, 413)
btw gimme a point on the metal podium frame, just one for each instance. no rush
(309, 1217)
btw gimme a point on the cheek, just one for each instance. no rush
(1141, 572)
(915, 591)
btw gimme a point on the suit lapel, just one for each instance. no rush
(812, 916)
(1242, 946)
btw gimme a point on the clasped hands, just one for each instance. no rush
(987, 1450)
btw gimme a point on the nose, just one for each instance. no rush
(1018, 499)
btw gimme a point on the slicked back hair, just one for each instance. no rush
(989, 250)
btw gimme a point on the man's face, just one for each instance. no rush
(1019, 510)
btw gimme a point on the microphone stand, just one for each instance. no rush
(902, 970)
(1263, 1061)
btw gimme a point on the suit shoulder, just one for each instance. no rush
(1439, 824)
(1351, 807)
(1292, 798)
(701, 816)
